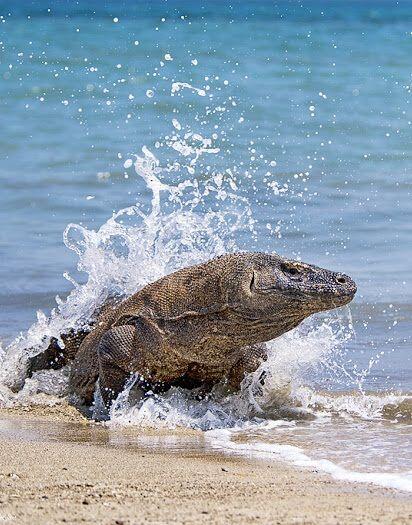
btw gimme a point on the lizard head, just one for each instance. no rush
(271, 286)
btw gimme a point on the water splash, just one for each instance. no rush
(135, 247)
(187, 222)
(200, 215)
(291, 358)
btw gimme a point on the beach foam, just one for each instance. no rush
(223, 440)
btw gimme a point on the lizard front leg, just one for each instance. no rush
(135, 348)
(251, 357)
(115, 356)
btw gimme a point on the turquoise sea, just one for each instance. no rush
(277, 126)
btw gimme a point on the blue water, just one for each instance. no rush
(309, 106)
(68, 112)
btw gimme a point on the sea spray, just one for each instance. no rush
(188, 221)
(137, 246)
(196, 212)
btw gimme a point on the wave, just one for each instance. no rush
(192, 220)
(223, 440)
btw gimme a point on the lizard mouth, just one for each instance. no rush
(318, 298)
(328, 300)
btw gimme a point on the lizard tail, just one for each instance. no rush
(56, 356)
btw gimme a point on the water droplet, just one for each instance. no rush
(176, 124)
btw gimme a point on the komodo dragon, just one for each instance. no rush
(197, 326)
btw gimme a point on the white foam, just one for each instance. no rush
(358, 404)
(222, 440)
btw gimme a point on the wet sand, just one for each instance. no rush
(57, 467)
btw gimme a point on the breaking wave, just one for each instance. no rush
(192, 220)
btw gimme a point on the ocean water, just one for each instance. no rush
(139, 137)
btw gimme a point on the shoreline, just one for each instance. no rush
(58, 467)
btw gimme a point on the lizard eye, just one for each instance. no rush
(289, 270)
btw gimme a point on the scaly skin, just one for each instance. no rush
(203, 324)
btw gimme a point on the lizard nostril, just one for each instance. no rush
(340, 279)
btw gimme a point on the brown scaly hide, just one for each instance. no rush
(204, 323)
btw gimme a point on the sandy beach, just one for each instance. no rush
(221, 191)
(57, 467)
